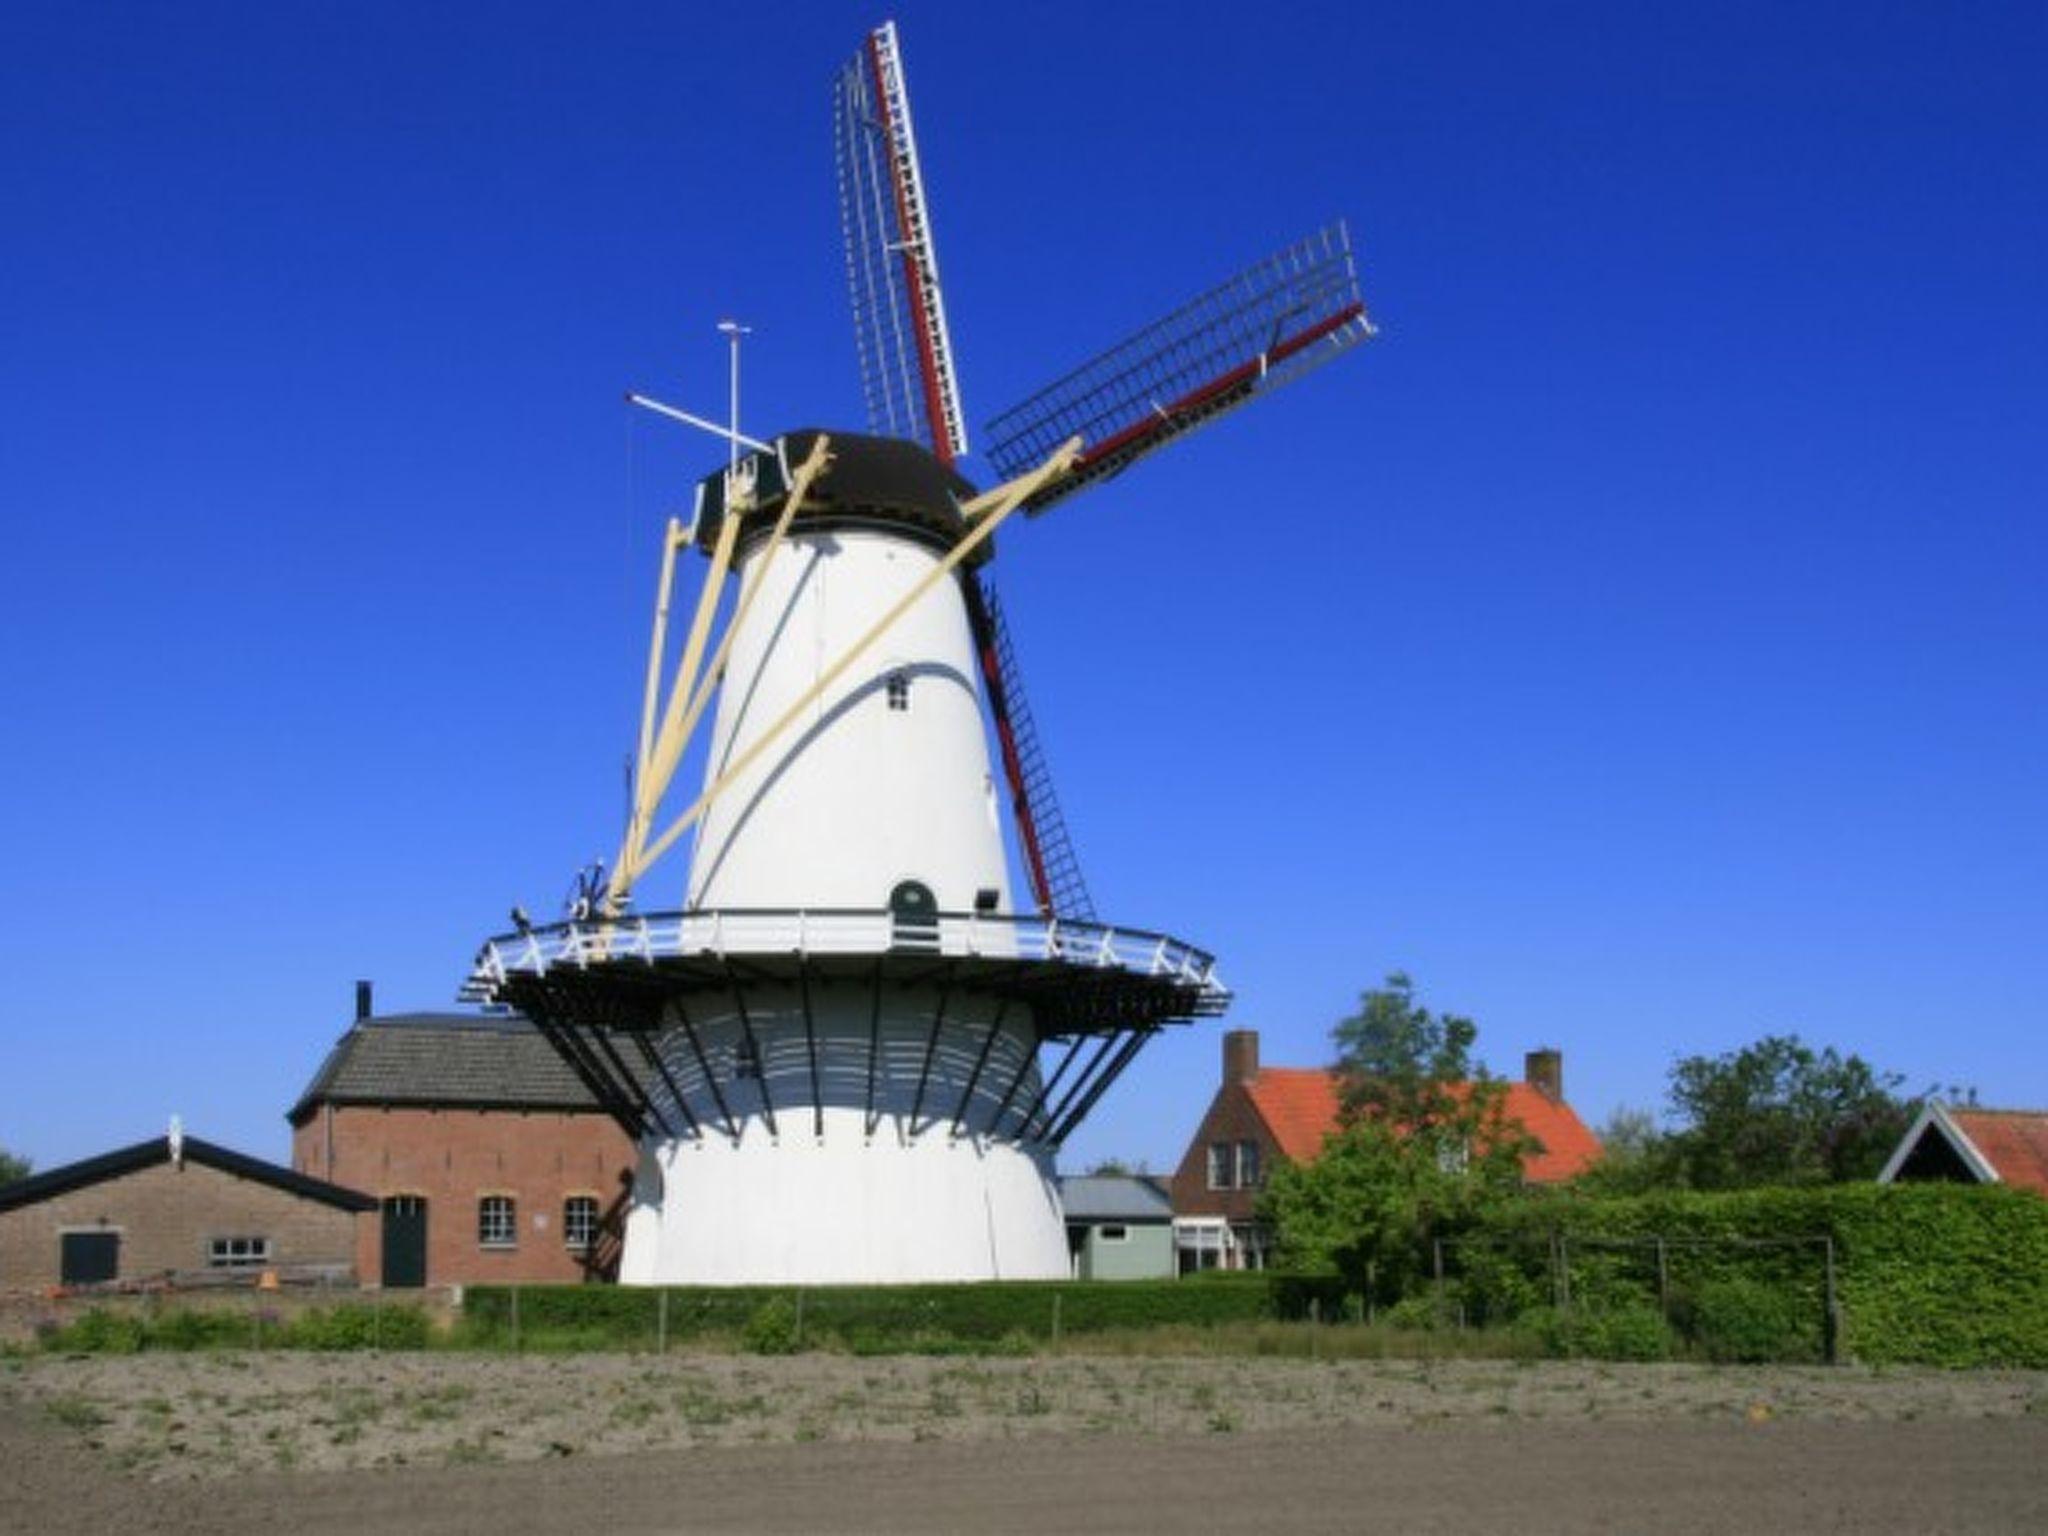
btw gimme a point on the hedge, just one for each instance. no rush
(857, 1316)
(1930, 1274)
(347, 1326)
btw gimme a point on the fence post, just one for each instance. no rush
(515, 1319)
(1663, 1282)
(661, 1322)
(1831, 1327)
(1372, 1290)
(799, 1317)
(1437, 1247)
(255, 1319)
(1056, 1299)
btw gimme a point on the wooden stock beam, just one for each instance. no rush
(984, 514)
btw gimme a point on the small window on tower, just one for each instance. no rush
(899, 689)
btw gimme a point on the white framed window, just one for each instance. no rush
(1222, 1165)
(579, 1221)
(1113, 1234)
(897, 686)
(497, 1221)
(1247, 1165)
(237, 1252)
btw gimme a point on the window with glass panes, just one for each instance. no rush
(237, 1252)
(579, 1221)
(497, 1221)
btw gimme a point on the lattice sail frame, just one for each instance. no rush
(1271, 323)
(908, 380)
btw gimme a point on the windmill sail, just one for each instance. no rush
(892, 267)
(1272, 322)
(1049, 858)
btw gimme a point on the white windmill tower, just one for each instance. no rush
(850, 1056)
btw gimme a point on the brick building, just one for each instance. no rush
(1260, 1118)
(176, 1206)
(487, 1157)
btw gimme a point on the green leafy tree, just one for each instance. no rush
(1780, 1112)
(1423, 1144)
(13, 1168)
(1636, 1156)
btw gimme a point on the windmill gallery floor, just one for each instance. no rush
(440, 1443)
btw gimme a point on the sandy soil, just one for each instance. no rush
(224, 1442)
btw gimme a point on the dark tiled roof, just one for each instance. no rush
(145, 1154)
(447, 1059)
(1114, 1197)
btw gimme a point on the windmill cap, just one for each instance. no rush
(873, 482)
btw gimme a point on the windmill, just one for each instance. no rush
(853, 1052)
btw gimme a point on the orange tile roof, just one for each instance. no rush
(1299, 1106)
(2014, 1141)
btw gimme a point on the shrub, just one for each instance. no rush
(1412, 1313)
(101, 1331)
(187, 1328)
(359, 1325)
(1751, 1322)
(772, 1330)
(1612, 1333)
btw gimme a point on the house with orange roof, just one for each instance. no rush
(1967, 1145)
(1262, 1117)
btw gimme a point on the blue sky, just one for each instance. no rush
(1641, 642)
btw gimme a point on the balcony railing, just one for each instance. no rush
(655, 937)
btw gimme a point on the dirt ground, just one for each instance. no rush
(453, 1443)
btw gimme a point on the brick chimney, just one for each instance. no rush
(362, 1001)
(1240, 1056)
(1543, 1070)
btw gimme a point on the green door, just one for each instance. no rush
(405, 1240)
(86, 1258)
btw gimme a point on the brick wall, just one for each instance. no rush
(1231, 1118)
(165, 1217)
(454, 1158)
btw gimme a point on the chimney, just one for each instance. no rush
(1543, 1070)
(1240, 1056)
(362, 1001)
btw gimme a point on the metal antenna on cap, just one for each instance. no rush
(732, 330)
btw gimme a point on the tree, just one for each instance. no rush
(13, 1168)
(1400, 1065)
(1779, 1112)
(1423, 1141)
(1636, 1156)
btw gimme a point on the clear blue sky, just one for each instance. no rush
(1642, 642)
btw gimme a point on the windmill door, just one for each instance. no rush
(405, 1240)
(85, 1258)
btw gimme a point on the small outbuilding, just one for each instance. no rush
(1119, 1226)
(1964, 1144)
(175, 1208)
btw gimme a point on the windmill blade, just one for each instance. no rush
(892, 266)
(1271, 323)
(1057, 884)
